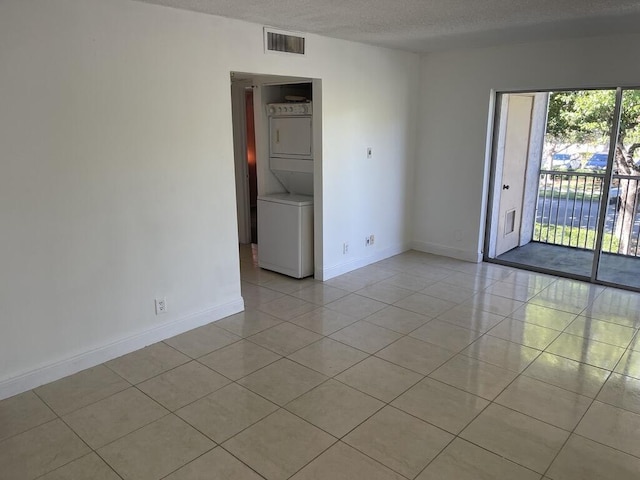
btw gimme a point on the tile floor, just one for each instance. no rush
(417, 367)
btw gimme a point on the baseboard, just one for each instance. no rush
(446, 251)
(49, 373)
(339, 269)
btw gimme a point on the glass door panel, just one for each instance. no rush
(619, 261)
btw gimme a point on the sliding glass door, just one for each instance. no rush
(566, 184)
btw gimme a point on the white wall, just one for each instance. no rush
(455, 91)
(117, 179)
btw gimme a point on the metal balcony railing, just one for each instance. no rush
(568, 207)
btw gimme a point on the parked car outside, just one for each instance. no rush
(597, 162)
(565, 160)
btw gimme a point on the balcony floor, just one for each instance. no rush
(618, 269)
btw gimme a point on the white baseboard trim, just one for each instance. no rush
(68, 366)
(446, 251)
(335, 270)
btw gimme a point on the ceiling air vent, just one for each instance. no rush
(278, 41)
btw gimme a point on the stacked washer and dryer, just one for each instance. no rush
(285, 220)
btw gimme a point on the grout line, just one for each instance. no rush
(193, 460)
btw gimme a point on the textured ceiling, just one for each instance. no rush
(428, 25)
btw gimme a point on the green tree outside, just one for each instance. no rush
(586, 116)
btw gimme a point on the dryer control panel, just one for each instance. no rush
(288, 109)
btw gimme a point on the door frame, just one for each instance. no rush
(606, 184)
(239, 122)
(258, 81)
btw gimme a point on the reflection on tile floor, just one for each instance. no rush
(417, 367)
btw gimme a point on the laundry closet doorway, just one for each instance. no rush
(266, 90)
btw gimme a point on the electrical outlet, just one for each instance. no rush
(366, 241)
(369, 152)
(345, 248)
(161, 306)
(372, 239)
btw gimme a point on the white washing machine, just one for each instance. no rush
(285, 234)
(285, 220)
